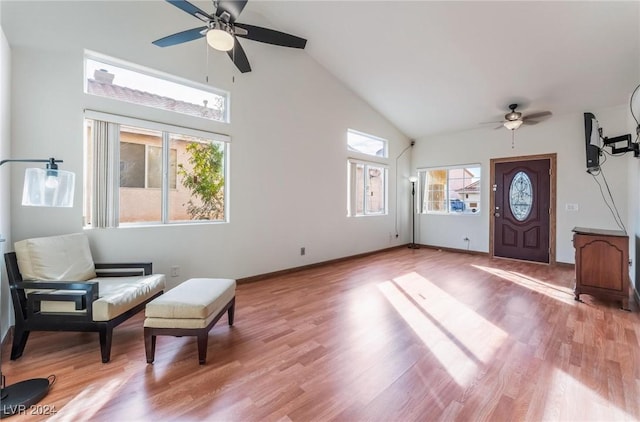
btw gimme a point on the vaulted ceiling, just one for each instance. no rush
(429, 67)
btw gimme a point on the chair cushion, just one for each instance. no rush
(196, 298)
(56, 258)
(117, 295)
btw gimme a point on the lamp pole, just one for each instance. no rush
(19, 397)
(413, 181)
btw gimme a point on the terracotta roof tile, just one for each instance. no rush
(470, 188)
(105, 89)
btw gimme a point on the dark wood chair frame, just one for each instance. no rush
(27, 307)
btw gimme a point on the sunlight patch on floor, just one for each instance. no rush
(562, 294)
(90, 400)
(561, 404)
(458, 337)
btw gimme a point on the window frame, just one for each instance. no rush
(166, 130)
(147, 71)
(422, 208)
(372, 137)
(352, 199)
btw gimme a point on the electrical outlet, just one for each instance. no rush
(175, 271)
(303, 251)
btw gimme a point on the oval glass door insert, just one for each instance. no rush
(521, 196)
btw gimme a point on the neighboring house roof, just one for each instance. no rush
(108, 89)
(470, 188)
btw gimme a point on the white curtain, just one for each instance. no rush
(106, 177)
(422, 193)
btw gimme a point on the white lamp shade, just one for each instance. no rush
(513, 124)
(413, 179)
(48, 188)
(220, 39)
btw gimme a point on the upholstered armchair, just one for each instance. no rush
(56, 286)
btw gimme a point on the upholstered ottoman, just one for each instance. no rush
(189, 309)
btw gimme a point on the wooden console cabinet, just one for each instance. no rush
(602, 264)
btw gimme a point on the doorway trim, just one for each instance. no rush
(552, 199)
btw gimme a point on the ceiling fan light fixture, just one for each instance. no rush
(220, 38)
(513, 124)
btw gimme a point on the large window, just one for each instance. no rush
(140, 172)
(367, 180)
(122, 81)
(451, 190)
(367, 188)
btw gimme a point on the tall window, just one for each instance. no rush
(367, 180)
(140, 172)
(367, 188)
(122, 81)
(452, 190)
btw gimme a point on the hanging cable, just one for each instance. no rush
(619, 219)
(411, 144)
(633, 94)
(631, 105)
(612, 207)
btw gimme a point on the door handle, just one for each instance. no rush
(497, 214)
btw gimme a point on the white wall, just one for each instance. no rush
(288, 156)
(6, 315)
(563, 135)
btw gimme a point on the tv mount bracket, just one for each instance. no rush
(630, 146)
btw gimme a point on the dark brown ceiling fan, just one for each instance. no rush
(222, 31)
(514, 119)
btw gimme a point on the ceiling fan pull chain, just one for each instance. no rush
(513, 135)
(206, 46)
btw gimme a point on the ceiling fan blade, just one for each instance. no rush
(194, 11)
(537, 115)
(269, 36)
(239, 57)
(232, 7)
(180, 37)
(239, 32)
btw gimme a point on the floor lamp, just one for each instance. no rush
(413, 181)
(48, 187)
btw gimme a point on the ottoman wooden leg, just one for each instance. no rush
(149, 345)
(203, 337)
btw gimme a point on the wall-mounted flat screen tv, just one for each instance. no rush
(593, 141)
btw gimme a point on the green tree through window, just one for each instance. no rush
(205, 180)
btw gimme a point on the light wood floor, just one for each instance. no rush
(404, 335)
